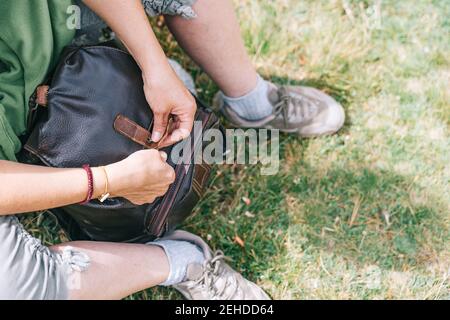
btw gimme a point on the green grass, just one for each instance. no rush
(363, 214)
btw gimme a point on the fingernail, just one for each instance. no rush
(156, 136)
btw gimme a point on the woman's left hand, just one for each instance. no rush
(168, 97)
(165, 92)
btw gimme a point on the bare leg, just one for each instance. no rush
(213, 40)
(117, 269)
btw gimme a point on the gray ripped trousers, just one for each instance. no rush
(28, 269)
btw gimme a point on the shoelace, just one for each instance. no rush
(297, 106)
(210, 276)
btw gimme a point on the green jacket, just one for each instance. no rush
(32, 36)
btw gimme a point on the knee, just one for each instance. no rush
(181, 8)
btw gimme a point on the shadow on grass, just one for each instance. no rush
(367, 217)
(370, 216)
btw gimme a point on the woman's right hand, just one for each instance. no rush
(140, 178)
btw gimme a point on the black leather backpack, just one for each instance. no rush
(96, 113)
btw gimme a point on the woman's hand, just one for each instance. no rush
(167, 96)
(165, 92)
(140, 178)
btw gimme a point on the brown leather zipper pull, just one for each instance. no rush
(138, 134)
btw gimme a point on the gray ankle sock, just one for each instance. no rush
(254, 105)
(180, 254)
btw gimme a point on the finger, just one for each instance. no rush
(159, 126)
(137, 202)
(171, 176)
(178, 135)
(165, 142)
(163, 155)
(150, 200)
(183, 128)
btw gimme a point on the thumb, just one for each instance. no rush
(160, 121)
(163, 156)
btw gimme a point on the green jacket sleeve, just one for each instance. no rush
(32, 36)
(11, 83)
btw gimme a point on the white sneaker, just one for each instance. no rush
(214, 280)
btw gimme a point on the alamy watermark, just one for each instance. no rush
(73, 22)
(230, 146)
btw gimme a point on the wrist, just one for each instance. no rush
(115, 180)
(156, 72)
(149, 55)
(99, 182)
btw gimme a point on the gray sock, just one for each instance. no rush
(183, 75)
(254, 105)
(180, 254)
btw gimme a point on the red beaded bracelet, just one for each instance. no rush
(90, 192)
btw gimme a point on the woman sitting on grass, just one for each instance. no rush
(32, 35)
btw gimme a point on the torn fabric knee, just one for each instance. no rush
(31, 271)
(181, 8)
(74, 261)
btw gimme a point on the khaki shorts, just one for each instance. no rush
(94, 30)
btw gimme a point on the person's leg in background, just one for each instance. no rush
(213, 40)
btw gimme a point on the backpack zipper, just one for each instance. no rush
(159, 218)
